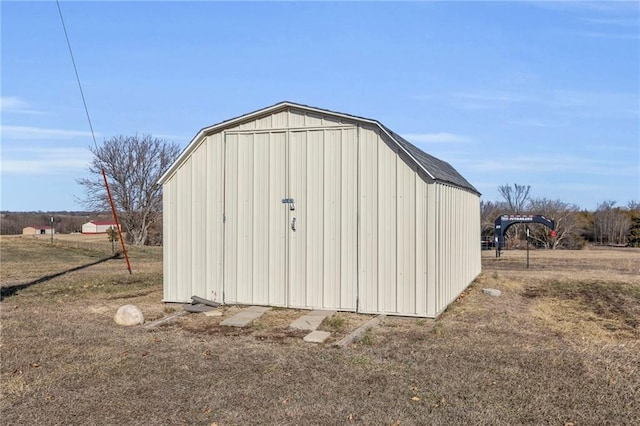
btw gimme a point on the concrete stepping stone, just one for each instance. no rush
(245, 316)
(311, 321)
(316, 336)
(359, 332)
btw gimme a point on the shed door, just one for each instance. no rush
(322, 252)
(301, 254)
(255, 223)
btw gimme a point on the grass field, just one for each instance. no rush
(560, 346)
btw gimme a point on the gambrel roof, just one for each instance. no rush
(436, 169)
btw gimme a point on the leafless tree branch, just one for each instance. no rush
(133, 165)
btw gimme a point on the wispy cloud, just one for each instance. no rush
(609, 35)
(45, 161)
(171, 137)
(609, 20)
(578, 103)
(561, 164)
(533, 122)
(441, 137)
(39, 133)
(16, 105)
(610, 7)
(617, 22)
(611, 148)
(486, 99)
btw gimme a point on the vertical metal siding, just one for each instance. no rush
(254, 230)
(313, 120)
(348, 147)
(244, 215)
(183, 244)
(322, 252)
(260, 220)
(416, 235)
(277, 224)
(368, 221)
(313, 221)
(432, 250)
(406, 239)
(192, 202)
(386, 229)
(197, 221)
(231, 224)
(421, 246)
(296, 118)
(169, 247)
(457, 259)
(298, 239)
(214, 195)
(371, 233)
(280, 120)
(332, 219)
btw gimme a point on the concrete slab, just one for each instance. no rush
(171, 317)
(359, 332)
(316, 336)
(245, 316)
(311, 320)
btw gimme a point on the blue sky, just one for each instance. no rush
(545, 94)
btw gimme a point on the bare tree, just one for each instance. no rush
(569, 223)
(633, 209)
(515, 196)
(489, 212)
(612, 224)
(133, 165)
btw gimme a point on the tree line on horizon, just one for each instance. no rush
(65, 222)
(133, 165)
(575, 228)
(608, 224)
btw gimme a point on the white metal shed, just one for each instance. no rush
(297, 206)
(97, 227)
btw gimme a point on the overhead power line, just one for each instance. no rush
(93, 135)
(75, 69)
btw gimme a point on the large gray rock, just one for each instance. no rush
(129, 315)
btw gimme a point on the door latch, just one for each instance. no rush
(291, 202)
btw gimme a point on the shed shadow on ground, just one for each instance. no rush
(12, 290)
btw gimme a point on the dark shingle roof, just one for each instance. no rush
(440, 170)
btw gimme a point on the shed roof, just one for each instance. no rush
(437, 169)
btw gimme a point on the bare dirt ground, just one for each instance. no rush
(560, 346)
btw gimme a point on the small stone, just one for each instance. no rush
(492, 292)
(129, 315)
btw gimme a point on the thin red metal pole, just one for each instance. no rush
(115, 218)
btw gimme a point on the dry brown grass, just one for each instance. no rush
(561, 345)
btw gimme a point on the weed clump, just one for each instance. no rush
(367, 338)
(334, 322)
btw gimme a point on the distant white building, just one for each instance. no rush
(97, 227)
(37, 230)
